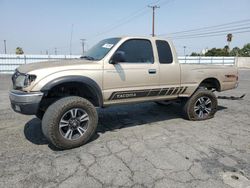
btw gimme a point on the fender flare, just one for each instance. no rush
(217, 82)
(94, 87)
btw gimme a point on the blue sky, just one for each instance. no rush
(37, 26)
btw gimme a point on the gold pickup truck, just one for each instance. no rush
(64, 94)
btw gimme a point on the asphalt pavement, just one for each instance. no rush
(141, 145)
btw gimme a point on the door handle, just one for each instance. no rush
(152, 71)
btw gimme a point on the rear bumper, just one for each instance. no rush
(25, 103)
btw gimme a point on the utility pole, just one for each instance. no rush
(229, 40)
(153, 21)
(5, 50)
(83, 40)
(55, 51)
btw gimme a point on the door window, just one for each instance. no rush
(137, 51)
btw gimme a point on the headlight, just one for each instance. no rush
(23, 80)
(20, 81)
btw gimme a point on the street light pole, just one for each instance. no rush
(184, 47)
(5, 50)
(70, 43)
(83, 40)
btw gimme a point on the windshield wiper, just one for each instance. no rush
(87, 57)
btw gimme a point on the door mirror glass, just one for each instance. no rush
(119, 56)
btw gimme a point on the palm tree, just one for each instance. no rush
(19, 51)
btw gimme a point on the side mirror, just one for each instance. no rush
(119, 56)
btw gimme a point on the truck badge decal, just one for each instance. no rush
(126, 95)
(147, 93)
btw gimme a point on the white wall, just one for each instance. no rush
(207, 60)
(9, 62)
(243, 62)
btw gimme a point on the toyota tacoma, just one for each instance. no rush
(65, 94)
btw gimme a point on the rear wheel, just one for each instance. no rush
(69, 122)
(201, 105)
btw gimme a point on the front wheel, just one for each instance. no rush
(201, 105)
(69, 122)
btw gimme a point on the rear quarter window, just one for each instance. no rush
(164, 52)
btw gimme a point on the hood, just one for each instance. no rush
(53, 64)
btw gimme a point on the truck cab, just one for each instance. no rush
(140, 69)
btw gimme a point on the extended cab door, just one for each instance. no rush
(135, 77)
(169, 70)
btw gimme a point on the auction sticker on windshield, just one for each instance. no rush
(108, 46)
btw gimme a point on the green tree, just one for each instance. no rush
(211, 52)
(218, 52)
(235, 51)
(194, 54)
(226, 48)
(19, 51)
(245, 51)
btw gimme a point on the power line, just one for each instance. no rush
(121, 23)
(165, 2)
(110, 29)
(212, 29)
(140, 12)
(213, 32)
(202, 36)
(207, 27)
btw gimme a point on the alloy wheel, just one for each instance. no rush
(74, 124)
(203, 107)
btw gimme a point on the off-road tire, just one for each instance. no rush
(53, 115)
(189, 105)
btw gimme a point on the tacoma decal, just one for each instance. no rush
(147, 93)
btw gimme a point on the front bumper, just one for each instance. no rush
(25, 103)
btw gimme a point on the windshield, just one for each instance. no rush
(98, 51)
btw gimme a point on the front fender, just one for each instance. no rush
(80, 79)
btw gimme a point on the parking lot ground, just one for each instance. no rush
(142, 145)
